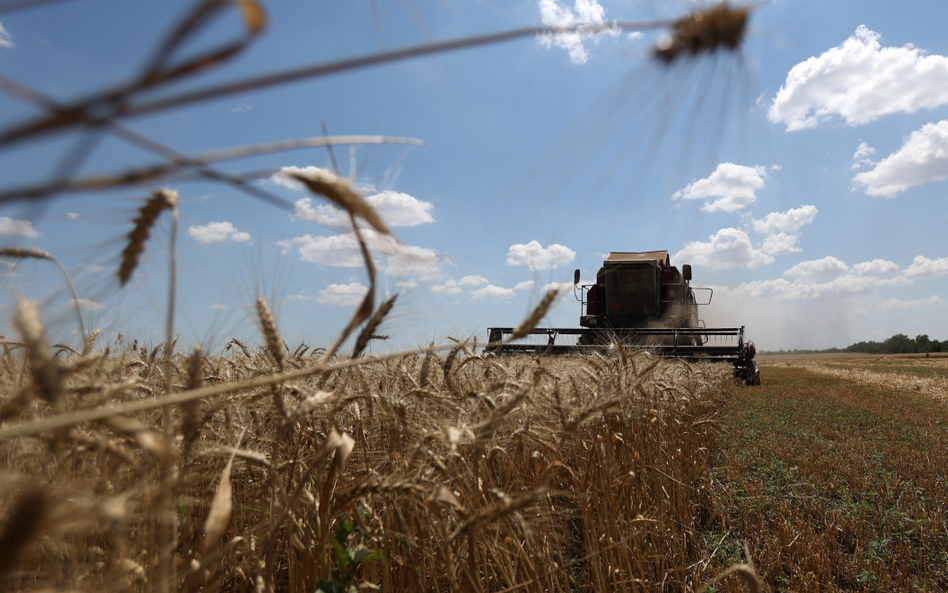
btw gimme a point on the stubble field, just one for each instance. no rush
(833, 474)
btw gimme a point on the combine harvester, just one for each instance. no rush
(643, 301)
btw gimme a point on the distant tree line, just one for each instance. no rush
(900, 344)
(897, 344)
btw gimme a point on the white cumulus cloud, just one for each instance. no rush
(284, 176)
(449, 287)
(525, 285)
(788, 222)
(88, 305)
(492, 292)
(343, 250)
(734, 186)
(860, 81)
(922, 159)
(932, 301)
(18, 228)
(780, 244)
(818, 270)
(322, 214)
(563, 288)
(472, 281)
(552, 13)
(876, 267)
(801, 290)
(396, 209)
(536, 257)
(216, 232)
(861, 157)
(830, 276)
(5, 39)
(728, 248)
(342, 294)
(922, 267)
(401, 210)
(335, 251)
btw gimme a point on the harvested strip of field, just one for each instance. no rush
(929, 378)
(834, 482)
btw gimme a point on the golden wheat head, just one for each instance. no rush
(160, 200)
(368, 332)
(270, 331)
(339, 190)
(704, 32)
(527, 325)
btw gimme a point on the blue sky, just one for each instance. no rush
(804, 179)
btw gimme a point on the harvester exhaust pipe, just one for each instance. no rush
(576, 277)
(686, 272)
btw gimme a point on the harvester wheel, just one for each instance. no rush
(754, 373)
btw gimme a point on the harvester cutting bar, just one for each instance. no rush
(724, 344)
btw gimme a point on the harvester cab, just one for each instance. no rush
(639, 290)
(642, 301)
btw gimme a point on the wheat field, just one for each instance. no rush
(433, 471)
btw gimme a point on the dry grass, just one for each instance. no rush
(419, 472)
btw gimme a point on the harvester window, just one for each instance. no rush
(632, 290)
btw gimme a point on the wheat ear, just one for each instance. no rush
(340, 191)
(43, 366)
(190, 423)
(527, 325)
(275, 345)
(33, 253)
(704, 31)
(270, 332)
(368, 332)
(160, 200)
(90, 341)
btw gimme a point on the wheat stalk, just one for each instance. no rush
(22, 525)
